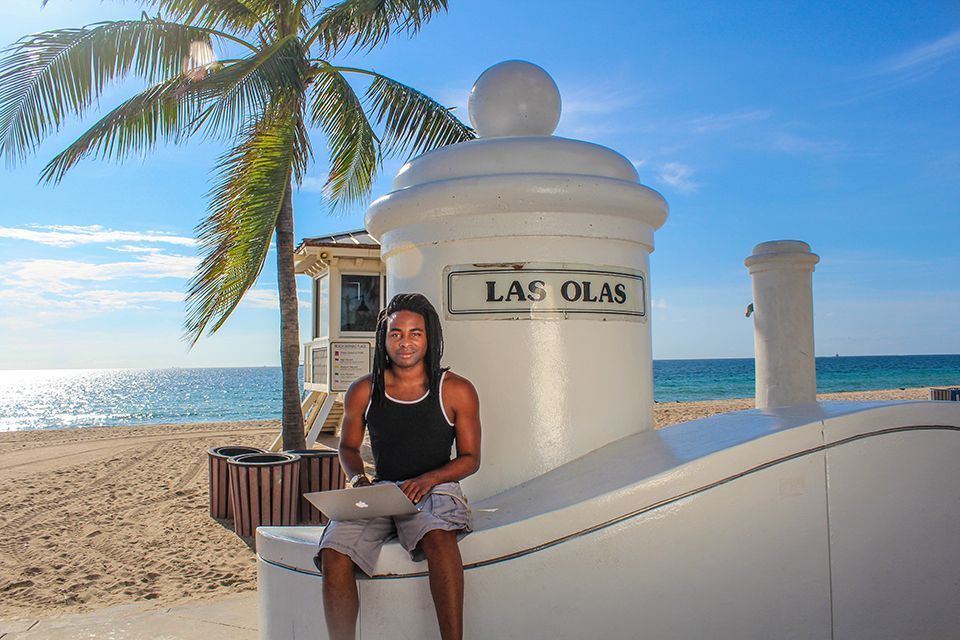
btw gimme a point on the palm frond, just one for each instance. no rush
(412, 121)
(354, 147)
(160, 112)
(366, 24)
(241, 91)
(48, 76)
(240, 16)
(252, 181)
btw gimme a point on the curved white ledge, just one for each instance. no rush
(590, 198)
(634, 476)
(516, 155)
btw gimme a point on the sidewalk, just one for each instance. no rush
(233, 618)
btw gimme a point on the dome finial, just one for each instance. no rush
(514, 98)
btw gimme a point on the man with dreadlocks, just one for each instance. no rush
(415, 411)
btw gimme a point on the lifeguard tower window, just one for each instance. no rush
(321, 294)
(359, 302)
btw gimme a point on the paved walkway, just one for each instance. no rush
(233, 618)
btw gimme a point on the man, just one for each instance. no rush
(415, 410)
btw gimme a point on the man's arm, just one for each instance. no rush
(459, 399)
(351, 432)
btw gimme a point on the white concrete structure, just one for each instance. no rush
(782, 272)
(559, 369)
(833, 520)
(837, 520)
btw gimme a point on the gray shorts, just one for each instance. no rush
(444, 508)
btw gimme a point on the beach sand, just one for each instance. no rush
(114, 515)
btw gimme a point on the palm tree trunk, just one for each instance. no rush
(292, 430)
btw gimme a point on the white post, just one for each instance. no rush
(782, 272)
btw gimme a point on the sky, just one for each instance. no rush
(833, 123)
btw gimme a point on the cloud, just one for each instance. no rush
(312, 184)
(23, 308)
(922, 57)
(57, 276)
(725, 121)
(261, 299)
(659, 303)
(679, 176)
(129, 248)
(595, 110)
(64, 236)
(268, 299)
(791, 143)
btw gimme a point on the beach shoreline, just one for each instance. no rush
(103, 516)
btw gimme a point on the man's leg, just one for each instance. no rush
(446, 580)
(341, 603)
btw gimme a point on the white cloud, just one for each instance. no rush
(110, 299)
(659, 303)
(725, 121)
(58, 276)
(261, 299)
(679, 176)
(312, 184)
(129, 248)
(792, 143)
(923, 56)
(268, 299)
(24, 309)
(69, 235)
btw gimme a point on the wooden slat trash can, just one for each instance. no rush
(219, 479)
(264, 490)
(945, 393)
(319, 471)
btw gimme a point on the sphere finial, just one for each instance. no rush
(514, 98)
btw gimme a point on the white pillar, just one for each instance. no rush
(782, 272)
(535, 251)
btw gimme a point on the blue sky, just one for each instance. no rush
(833, 123)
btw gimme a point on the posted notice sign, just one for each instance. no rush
(527, 290)
(348, 361)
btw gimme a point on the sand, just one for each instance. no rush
(104, 516)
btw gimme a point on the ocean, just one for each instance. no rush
(54, 399)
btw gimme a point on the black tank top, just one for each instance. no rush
(409, 438)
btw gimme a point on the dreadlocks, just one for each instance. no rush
(417, 303)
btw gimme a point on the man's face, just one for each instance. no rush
(406, 339)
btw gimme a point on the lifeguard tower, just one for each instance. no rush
(797, 519)
(348, 289)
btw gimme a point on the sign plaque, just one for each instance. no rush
(348, 361)
(544, 290)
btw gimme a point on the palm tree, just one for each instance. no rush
(281, 81)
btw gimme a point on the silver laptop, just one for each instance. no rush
(363, 502)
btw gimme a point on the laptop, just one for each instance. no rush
(363, 502)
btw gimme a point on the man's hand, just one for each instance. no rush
(417, 488)
(362, 481)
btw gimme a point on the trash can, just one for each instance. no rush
(219, 481)
(264, 490)
(319, 471)
(945, 393)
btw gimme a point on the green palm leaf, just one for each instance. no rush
(354, 148)
(253, 179)
(240, 91)
(366, 24)
(240, 16)
(160, 112)
(412, 120)
(48, 76)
